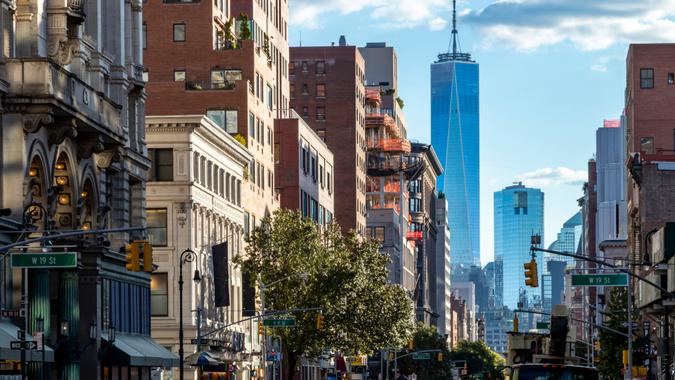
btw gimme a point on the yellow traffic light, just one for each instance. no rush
(132, 257)
(147, 257)
(596, 345)
(439, 357)
(410, 344)
(261, 328)
(390, 356)
(531, 276)
(320, 320)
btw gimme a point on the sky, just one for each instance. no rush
(550, 72)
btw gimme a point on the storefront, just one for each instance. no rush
(131, 356)
(10, 359)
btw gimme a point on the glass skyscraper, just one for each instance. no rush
(455, 137)
(518, 213)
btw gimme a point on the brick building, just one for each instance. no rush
(650, 136)
(304, 170)
(327, 91)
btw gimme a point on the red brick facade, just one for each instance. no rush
(343, 123)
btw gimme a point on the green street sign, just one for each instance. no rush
(543, 325)
(421, 356)
(613, 279)
(44, 260)
(288, 322)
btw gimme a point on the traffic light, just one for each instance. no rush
(147, 257)
(320, 321)
(132, 257)
(531, 276)
(390, 356)
(596, 345)
(261, 328)
(439, 357)
(410, 344)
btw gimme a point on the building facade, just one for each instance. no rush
(455, 137)
(518, 213)
(327, 91)
(194, 201)
(441, 303)
(74, 159)
(304, 170)
(650, 75)
(225, 64)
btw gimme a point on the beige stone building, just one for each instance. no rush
(195, 202)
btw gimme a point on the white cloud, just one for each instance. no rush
(437, 23)
(394, 14)
(554, 176)
(588, 24)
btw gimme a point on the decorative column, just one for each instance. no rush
(69, 296)
(38, 301)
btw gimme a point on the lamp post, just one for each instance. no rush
(40, 326)
(186, 256)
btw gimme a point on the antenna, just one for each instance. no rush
(454, 27)
(301, 38)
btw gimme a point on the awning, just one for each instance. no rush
(203, 358)
(138, 351)
(9, 333)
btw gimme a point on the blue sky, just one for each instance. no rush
(550, 72)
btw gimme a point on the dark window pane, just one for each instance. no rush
(157, 227)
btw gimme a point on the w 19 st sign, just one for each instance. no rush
(612, 279)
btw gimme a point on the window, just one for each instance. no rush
(305, 91)
(178, 32)
(224, 79)
(329, 183)
(277, 154)
(159, 295)
(320, 113)
(415, 205)
(646, 78)
(145, 36)
(291, 68)
(321, 176)
(647, 144)
(268, 97)
(314, 209)
(269, 136)
(157, 228)
(671, 78)
(226, 119)
(320, 90)
(305, 111)
(304, 66)
(320, 67)
(161, 164)
(179, 75)
(251, 125)
(292, 91)
(313, 167)
(305, 164)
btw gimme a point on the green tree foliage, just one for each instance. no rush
(244, 28)
(480, 359)
(342, 275)
(427, 338)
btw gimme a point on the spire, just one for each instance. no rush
(454, 27)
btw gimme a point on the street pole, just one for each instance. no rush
(666, 331)
(185, 257)
(263, 344)
(630, 330)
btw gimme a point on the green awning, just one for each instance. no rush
(138, 351)
(9, 333)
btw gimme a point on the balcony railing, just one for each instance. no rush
(373, 95)
(200, 85)
(414, 235)
(390, 145)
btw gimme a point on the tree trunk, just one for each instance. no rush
(290, 360)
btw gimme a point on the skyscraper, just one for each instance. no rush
(455, 135)
(518, 213)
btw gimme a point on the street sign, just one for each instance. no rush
(421, 356)
(543, 325)
(19, 345)
(44, 260)
(612, 279)
(11, 313)
(39, 339)
(634, 325)
(203, 342)
(287, 322)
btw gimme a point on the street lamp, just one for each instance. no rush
(186, 256)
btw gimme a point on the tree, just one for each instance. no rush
(427, 338)
(479, 357)
(244, 28)
(343, 275)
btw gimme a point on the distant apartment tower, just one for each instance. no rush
(455, 136)
(518, 213)
(327, 91)
(569, 239)
(441, 304)
(610, 148)
(304, 170)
